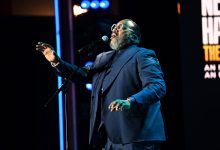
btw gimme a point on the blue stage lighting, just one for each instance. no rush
(85, 4)
(104, 4)
(88, 63)
(89, 86)
(94, 4)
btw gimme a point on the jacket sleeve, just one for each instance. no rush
(73, 72)
(151, 76)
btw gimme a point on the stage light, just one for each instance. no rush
(60, 95)
(89, 86)
(94, 4)
(77, 10)
(88, 63)
(85, 4)
(104, 4)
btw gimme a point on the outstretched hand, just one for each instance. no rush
(119, 104)
(48, 52)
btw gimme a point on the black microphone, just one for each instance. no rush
(94, 45)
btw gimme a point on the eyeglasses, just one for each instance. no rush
(118, 27)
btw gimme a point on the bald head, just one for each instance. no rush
(132, 29)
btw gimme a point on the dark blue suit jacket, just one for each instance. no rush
(136, 73)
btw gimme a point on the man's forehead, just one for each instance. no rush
(130, 23)
(127, 23)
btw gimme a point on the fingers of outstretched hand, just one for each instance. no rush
(116, 105)
(111, 106)
(40, 46)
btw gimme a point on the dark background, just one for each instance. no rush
(190, 107)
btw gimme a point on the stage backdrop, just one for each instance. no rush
(200, 59)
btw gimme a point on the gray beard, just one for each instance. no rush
(118, 43)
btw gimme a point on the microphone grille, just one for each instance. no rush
(105, 38)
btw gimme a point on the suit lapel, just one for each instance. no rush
(101, 61)
(118, 65)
